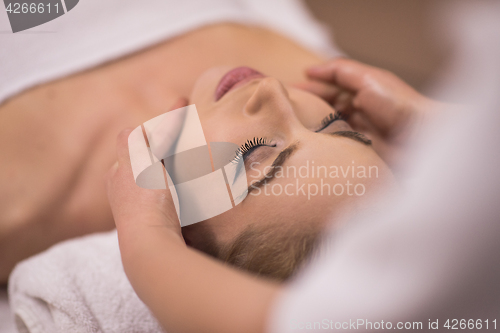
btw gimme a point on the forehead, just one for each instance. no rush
(303, 192)
(327, 160)
(331, 150)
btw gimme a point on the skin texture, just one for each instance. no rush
(59, 138)
(167, 275)
(148, 231)
(266, 108)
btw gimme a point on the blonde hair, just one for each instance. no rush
(276, 251)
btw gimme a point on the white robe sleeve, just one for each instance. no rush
(435, 256)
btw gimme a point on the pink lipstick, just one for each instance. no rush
(235, 78)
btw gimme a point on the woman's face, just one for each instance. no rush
(324, 168)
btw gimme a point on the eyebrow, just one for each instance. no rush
(356, 136)
(285, 154)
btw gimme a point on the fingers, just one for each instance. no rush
(138, 211)
(163, 137)
(123, 170)
(123, 193)
(326, 91)
(337, 82)
(122, 151)
(339, 99)
(345, 73)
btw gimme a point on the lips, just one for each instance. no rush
(235, 78)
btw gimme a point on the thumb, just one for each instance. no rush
(130, 203)
(135, 209)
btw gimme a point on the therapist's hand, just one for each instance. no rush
(143, 217)
(374, 102)
(186, 290)
(135, 207)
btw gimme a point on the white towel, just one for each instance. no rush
(78, 286)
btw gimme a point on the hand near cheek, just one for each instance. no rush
(144, 218)
(375, 102)
(178, 283)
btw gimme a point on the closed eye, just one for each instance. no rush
(328, 120)
(246, 149)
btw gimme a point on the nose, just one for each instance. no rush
(270, 98)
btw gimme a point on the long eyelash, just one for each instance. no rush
(248, 146)
(330, 119)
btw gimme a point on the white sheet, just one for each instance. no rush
(97, 31)
(78, 286)
(6, 318)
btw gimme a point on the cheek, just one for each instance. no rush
(359, 174)
(220, 127)
(311, 200)
(309, 109)
(203, 91)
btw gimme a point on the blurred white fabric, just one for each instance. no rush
(98, 31)
(6, 319)
(78, 286)
(435, 255)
